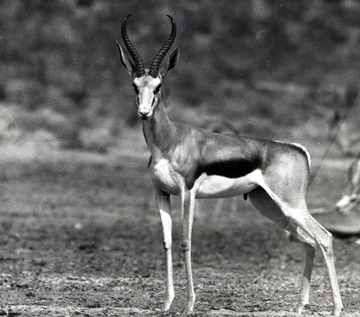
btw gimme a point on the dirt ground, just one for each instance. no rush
(80, 236)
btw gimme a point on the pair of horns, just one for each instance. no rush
(139, 64)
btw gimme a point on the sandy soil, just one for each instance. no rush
(80, 236)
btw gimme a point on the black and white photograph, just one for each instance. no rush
(180, 158)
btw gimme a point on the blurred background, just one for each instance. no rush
(270, 68)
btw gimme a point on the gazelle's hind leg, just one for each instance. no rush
(297, 219)
(305, 283)
(309, 230)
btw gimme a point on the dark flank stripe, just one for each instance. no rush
(232, 168)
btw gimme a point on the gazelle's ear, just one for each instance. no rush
(128, 64)
(171, 63)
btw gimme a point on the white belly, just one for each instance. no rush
(205, 186)
(219, 186)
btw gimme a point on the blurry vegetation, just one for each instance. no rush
(257, 62)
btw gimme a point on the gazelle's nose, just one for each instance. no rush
(143, 114)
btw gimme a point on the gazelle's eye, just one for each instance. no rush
(157, 89)
(136, 89)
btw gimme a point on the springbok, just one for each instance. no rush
(344, 133)
(345, 218)
(194, 163)
(351, 196)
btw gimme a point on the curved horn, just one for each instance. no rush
(155, 65)
(139, 65)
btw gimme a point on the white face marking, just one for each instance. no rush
(147, 89)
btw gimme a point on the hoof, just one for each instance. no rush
(186, 311)
(166, 307)
(337, 312)
(300, 308)
(189, 308)
(167, 304)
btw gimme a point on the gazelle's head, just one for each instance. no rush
(351, 198)
(147, 82)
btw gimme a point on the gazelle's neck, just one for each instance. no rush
(159, 131)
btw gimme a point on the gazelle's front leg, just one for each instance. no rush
(188, 204)
(163, 202)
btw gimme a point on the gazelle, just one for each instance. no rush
(344, 133)
(345, 218)
(351, 196)
(194, 163)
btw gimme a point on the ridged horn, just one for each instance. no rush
(155, 65)
(139, 65)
